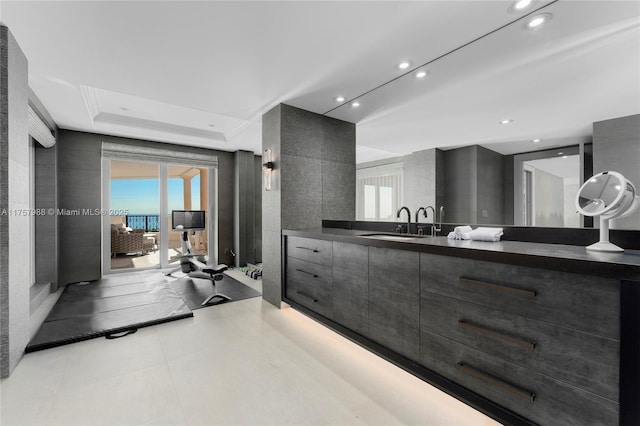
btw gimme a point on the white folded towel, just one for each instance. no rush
(478, 234)
(484, 234)
(458, 232)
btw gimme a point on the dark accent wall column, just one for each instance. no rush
(508, 177)
(271, 208)
(490, 187)
(460, 178)
(244, 211)
(441, 183)
(15, 234)
(79, 188)
(46, 198)
(475, 186)
(225, 204)
(314, 179)
(616, 147)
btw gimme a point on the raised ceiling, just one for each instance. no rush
(202, 73)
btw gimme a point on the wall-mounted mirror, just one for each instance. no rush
(462, 131)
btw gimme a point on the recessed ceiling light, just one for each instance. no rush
(355, 104)
(560, 153)
(212, 125)
(565, 156)
(340, 99)
(521, 4)
(537, 20)
(404, 65)
(536, 140)
(505, 121)
(422, 73)
(124, 109)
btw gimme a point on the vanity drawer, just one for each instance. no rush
(584, 360)
(394, 300)
(310, 285)
(532, 395)
(582, 302)
(316, 251)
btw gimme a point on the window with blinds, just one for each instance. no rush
(378, 192)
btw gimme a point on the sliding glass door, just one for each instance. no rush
(187, 190)
(139, 197)
(134, 215)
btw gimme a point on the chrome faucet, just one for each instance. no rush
(435, 230)
(433, 219)
(408, 217)
(420, 228)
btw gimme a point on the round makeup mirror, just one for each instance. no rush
(608, 195)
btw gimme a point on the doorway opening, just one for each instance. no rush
(139, 196)
(550, 186)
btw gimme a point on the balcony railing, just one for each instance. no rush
(150, 223)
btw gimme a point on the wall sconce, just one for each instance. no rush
(268, 168)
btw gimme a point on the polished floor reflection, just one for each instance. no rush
(244, 363)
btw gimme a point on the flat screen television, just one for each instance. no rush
(187, 220)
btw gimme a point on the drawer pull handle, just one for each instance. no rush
(307, 296)
(307, 248)
(517, 291)
(308, 273)
(505, 337)
(487, 378)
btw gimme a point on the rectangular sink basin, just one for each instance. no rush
(391, 237)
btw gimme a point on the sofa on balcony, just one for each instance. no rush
(125, 240)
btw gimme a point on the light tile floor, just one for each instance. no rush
(241, 363)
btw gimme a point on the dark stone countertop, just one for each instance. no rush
(559, 257)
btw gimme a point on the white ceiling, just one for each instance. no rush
(202, 73)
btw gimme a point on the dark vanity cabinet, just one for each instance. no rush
(394, 309)
(309, 275)
(525, 345)
(542, 343)
(351, 286)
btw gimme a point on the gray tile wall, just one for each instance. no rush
(616, 147)
(338, 169)
(225, 204)
(441, 184)
(314, 180)
(5, 367)
(507, 173)
(475, 185)
(271, 205)
(460, 190)
(244, 207)
(15, 238)
(490, 187)
(79, 187)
